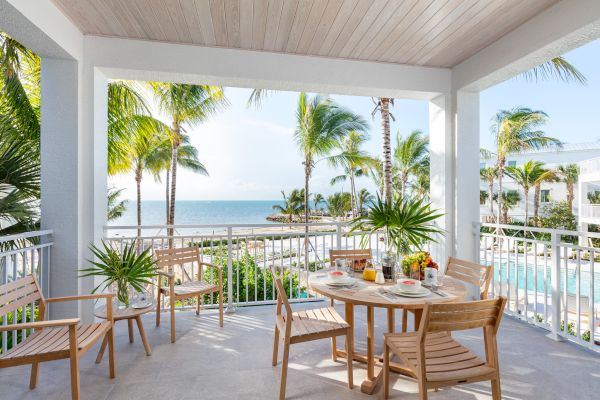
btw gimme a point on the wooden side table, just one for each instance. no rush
(130, 314)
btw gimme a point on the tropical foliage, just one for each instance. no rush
(293, 204)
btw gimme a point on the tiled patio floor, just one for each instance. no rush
(234, 362)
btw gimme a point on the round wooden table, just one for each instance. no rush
(130, 314)
(370, 294)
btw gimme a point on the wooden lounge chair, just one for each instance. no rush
(51, 340)
(435, 359)
(169, 258)
(468, 272)
(304, 326)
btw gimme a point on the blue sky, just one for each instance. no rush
(250, 152)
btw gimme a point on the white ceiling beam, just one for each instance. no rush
(562, 27)
(42, 27)
(156, 61)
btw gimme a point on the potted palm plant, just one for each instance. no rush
(408, 224)
(124, 270)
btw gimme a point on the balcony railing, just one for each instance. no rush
(248, 250)
(549, 279)
(589, 167)
(590, 211)
(20, 255)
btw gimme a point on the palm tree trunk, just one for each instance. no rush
(526, 192)
(387, 149)
(307, 171)
(536, 201)
(500, 174)
(570, 195)
(167, 189)
(138, 187)
(353, 194)
(491, 191)
(174, 148)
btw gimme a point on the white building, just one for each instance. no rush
(569, 153)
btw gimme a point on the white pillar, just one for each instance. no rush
(74, 158)
(454, 146)
(442, 173)
(467, 179)
(60, 184)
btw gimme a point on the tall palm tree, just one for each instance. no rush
(318, 199)
(515, 131)
(569, 174)
(527, 176)
(489, 175)
(115, 206)
(320, 126)
(353, 160)
(363, 197)
(510, 199)
(548, 176)
(292, 204)
(187, 106)
(421, 186)
(411, 157)
(382, 105)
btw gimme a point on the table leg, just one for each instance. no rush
(349, 316)
(101, 351)
(130, 328)
(373, 372)
(140, 326)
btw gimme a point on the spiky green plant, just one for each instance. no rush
(122, 269)
(407, 223)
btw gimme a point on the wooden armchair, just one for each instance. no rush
(169, 258)
(51, 340)
(468, 272)
(304, 326)
(435, 359)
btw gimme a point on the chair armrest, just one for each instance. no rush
(217, 267)
(167, 274)
(106, 296)
(40, 324)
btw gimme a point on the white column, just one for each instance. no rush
(454, 146)
(74, 158)
(60, 185)
(467, 175)
(442, 173)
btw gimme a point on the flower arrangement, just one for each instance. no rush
(420, 261)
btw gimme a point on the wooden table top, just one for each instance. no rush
(124, 313)
(367, 293)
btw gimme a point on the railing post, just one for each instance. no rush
(230, 307)
(338, 235)
(555, 276)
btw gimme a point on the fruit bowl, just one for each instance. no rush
(337, 275)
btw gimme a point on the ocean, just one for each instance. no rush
(200, 212)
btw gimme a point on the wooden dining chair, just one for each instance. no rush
(304, 326)
(468, 272)
(166, 261)
(55, 339)
(435, 359)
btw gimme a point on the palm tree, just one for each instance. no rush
(569, 174)
(527, 176)
(509, 201)
(421, 185)
(187, 105)
(292, 204)
(382, 105)
(558, 68)
(354, 161)
(338, 204)
(411, 156)
(318, 199)
(515, 131)
(159, 160)
(363, 197)
(115, 206)
(489, 175)
(320, 126)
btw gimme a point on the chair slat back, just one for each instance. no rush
(461, 316)
(281, 294)
(19, 293)
(470, 272)
(355, 254)
(172, 257)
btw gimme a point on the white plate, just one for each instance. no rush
(139, 306)
(340, 282)
(422, 292)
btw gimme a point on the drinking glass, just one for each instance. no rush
(440, 278)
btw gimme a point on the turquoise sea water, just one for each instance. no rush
(205, 212)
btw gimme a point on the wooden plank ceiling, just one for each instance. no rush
(439, 33)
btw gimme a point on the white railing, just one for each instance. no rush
(247, 251)
(590, 210)
(20, 255)
(548, 277)
(589, 167)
